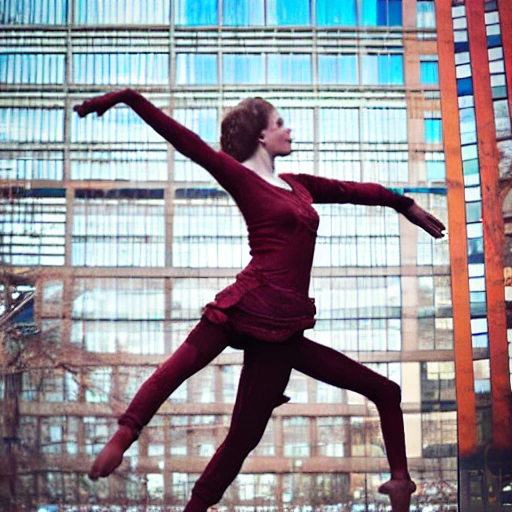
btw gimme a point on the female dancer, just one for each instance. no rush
(267, 309)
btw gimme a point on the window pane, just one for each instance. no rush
(195, 12)
(243, 69)
(394, 15)
(464, 86)
(369, 13)
(32, 228)
(32, 124)
(433, 131)
(32, 165)
(243, 12)
(97, 12)
(121, 124)
(329, 13)
(288, 12)
(289, 69)
(209, 235)
(121, 68)
(381, 12)
(24, 12)
(137, 165)
(196, 69)
(119, 231)
(429, 73)
(202, 121)
(25, 68)
(384, 124)
(382, 69)
(338, 124)
(337, 69)
(436, 171)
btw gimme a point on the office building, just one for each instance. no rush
(112, 242)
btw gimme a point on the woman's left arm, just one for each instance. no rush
(324, 190)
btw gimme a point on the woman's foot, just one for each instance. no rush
(399, 492)
(100, 104)
(111, 456)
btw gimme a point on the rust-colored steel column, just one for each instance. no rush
(464, 378)
(505, 10)
(493, 229)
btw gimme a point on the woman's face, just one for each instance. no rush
(275, 137)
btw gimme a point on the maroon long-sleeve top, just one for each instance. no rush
(269, 299)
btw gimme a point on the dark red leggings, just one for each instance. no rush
(265, 374)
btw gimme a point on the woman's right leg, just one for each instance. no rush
(203, 344)
(264, 377)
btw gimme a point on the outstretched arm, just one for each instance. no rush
(432, 225)
(221, 166)
(324, 190)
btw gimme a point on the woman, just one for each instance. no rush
(267, 309)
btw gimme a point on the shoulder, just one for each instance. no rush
(300, 183)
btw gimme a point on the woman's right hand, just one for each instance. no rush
(425, 220)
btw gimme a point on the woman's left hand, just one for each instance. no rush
(417, 215)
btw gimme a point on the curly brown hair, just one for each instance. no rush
(242, 126)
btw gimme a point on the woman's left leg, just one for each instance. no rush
(328, 365)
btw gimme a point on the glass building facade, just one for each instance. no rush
(111, 242)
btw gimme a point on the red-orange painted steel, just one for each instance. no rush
(494, 239)
(505, 10)
(464, 379)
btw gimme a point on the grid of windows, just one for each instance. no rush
(473, 196)
(143, 259)
(32, 227)
(205, 12)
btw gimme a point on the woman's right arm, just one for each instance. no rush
(222, 167)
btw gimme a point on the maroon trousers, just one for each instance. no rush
(265, 374)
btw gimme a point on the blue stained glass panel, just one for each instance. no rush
(494, 40)
(243, 13)
(464, 86)
(462, 46)
(329, 13)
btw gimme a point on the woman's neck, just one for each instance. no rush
(261, 163)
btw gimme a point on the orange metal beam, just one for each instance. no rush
(505, 10)
(464, 379)
(494, 235)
